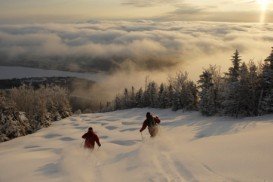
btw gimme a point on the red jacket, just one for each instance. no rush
(90, 139)
(144, 125)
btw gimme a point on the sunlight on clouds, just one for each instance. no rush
(264, 6)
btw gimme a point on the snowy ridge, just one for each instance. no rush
(189, 148)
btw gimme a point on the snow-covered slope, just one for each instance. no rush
(190, 148)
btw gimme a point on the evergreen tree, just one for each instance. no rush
(41, 113)
(132, 98)
(126, 100)
(138, 98)
(118, 103)
(244, 92)
(152, 94)
(39, 107)
(178, 83)
(184, 92)
(165, 98)
(190, 96)
(170, 96)
(231, 103)
(234, 71)
(162, 94)
(254, 88)
(176, 104)
(267, 85)
(145, 100)
(207, 103)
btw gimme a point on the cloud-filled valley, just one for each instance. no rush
(133, 48)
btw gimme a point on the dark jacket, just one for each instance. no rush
(90, 139)
(145, 123)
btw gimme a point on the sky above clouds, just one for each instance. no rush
(13, 11)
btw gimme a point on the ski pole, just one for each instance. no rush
(142, 138)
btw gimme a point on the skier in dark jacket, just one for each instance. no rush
(152, 123)
(90, 139)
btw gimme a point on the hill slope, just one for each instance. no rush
(190, 148)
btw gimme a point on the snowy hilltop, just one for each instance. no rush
(189, 147)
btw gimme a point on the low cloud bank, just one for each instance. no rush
(133, 49)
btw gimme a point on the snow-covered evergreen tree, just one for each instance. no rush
(126, 100)
(162, 96)
(139, 98)
(43, 105)
(207, 103)
(244, 92)
(248, 90)
(266, 104)
(152, 94)
(211, 90)
(170, 96)
(12, 122)
(132, 98)
(231, 103)
(117, 103)
(185, 92)
(176, 104)
(178, 84)
(165, 98)
(234, 71)
(254, 88)
(190, 96)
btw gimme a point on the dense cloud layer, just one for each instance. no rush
(131, 51)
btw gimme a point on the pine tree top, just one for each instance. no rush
(234, 71)
(269, 59)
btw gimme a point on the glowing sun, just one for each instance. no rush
(263, 3)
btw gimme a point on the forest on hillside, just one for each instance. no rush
(24, 110)
(245, 90)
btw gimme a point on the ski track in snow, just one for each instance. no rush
(189, 148)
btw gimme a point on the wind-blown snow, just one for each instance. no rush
(190, 148)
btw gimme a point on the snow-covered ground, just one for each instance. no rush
(190, 148)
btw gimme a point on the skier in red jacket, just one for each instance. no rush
(90, 139)
(152, 123)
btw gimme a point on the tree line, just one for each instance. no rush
(24, 110)
(246, 89)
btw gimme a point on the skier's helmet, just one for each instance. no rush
(148, 114)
